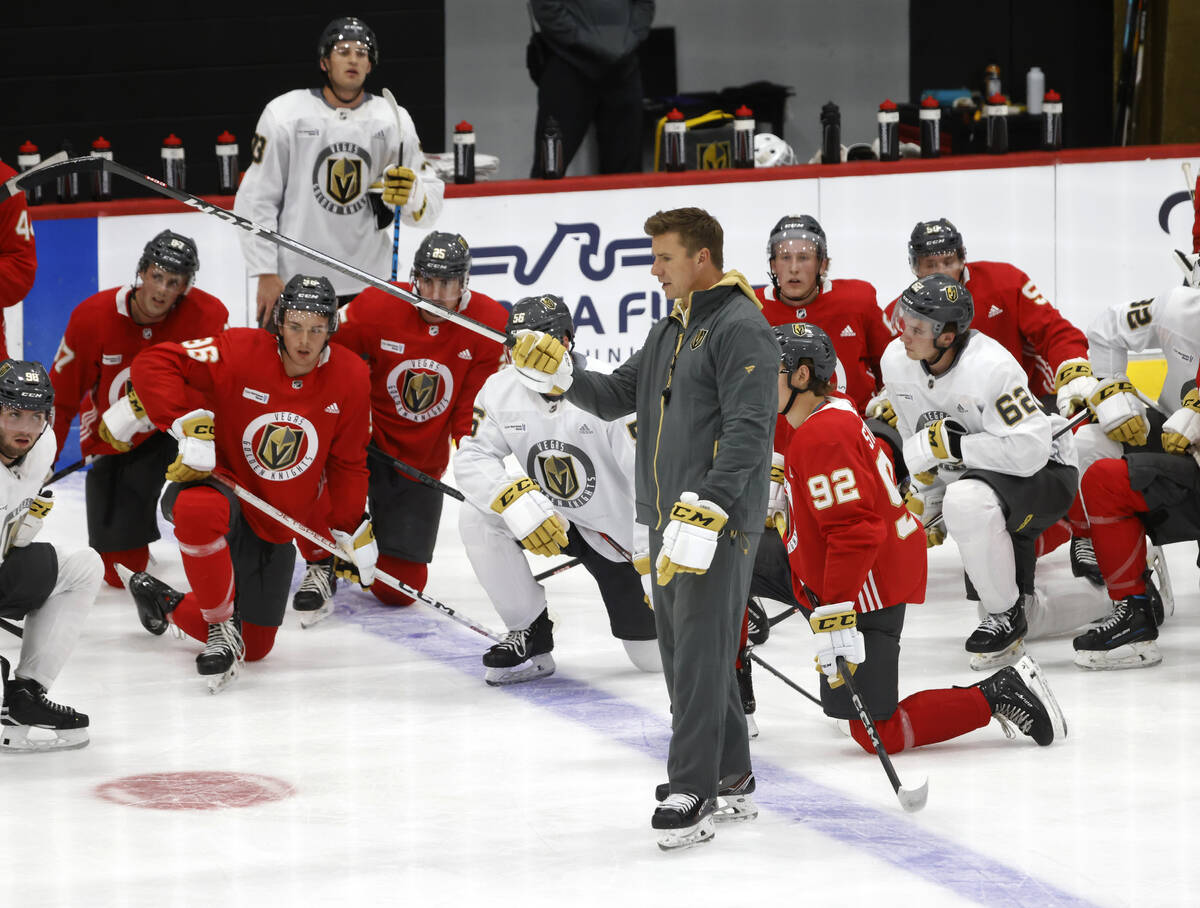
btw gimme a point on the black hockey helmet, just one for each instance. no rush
(348, 28)
(934, 238)
(546, 313)
(171, 252)
(800, 341)
(940, 300)
(307, 294)
(444, 255)
(25, 385)
(795, 227)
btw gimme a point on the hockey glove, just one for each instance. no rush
(926, 506)
(31, 523)
(1074, 384)
(530, 517)
(1120, 412)
(542, 362)
(641, 560)
(357, 554)
(1182, 429)
(690, 540)
(777, 503)
(881, 408)
(123, 420)
(398, 185)
(939, 442)
(197, 447)
(836, 629)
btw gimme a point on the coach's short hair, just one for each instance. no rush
(696, 228)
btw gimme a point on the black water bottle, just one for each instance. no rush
(28, 157)
(67, 186)
(102, 179)
(931, 127)
(227, 163)
(552, 151)
(464, 153)
(831, 134)
(1052, 135)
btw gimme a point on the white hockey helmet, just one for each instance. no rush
(772, 151)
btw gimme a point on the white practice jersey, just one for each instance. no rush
(987, 391)
(311, 166)
(20, 482)
(583, 463)
(1170, 321)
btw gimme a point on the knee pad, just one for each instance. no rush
(644, 654)
(410, 572)
(259, 640)
(201, 515)
(81, 569)
(968, 503)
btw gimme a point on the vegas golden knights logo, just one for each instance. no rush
(951, 294)
(561, 479)
(698, 338)
(420, 390)
(343, 179)
(279, 446)
(713, 155)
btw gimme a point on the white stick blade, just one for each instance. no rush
(913, 799)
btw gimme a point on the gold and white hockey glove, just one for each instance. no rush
(543, 362)
(123, 420)
(1120, 412)
(357, 553)
(530, 517)
(31, 523)
(690, 540)
(881, 408)
(1182, 429)
(398, 182)
(939, 442)
(197, 455)
(777, 503)
(926, 506)
(641, 560)
(836, 629)
(1073, 385)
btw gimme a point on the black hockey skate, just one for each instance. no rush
(1126, 638)
(26, 707)
(684, 820)
(522, 655)
(746, 690)
(315, 595)
(733, 798)
(758, 622)
(1083, 562)
(154, 599)
(999, 638)
(223, 655)
(1020, 699)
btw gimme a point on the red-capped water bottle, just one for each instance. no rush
(888, 120)
(1052, 135)
(743, 137)
(28, 157)
(102, 179)
(674, 132)
(227, 163)
(67, 186)
(174, 165)
(930, 116)
(464, 153)
(995, 117)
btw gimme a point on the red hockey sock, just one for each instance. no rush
(188, 619)
(201, 522)
(258, 639)
(1118, 535)
(134, 559)
(1052, 537)
(410, 572)
(926, 718)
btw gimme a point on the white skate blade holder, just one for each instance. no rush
(679, 839)
(1143, 654)
(1162, 577)
(308, 619)
(986, 662)
(25, 739)
(217, 683)
(537, 667)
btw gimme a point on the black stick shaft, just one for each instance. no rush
(784, 678)
(865, 718)
(413, 473)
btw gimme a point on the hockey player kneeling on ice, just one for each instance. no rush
(857, 556)
(975, 437)
(285, 415)
(574, 488)
(50, 588)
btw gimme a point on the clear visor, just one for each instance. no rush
(795, 241)
(913, 324)
(350, 50)
(445, 290)
(947, 262)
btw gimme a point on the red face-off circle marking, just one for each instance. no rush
(195, 790)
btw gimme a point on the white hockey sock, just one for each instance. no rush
(500, 566)
(975, 519)
(52, 630)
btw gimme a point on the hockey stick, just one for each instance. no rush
(14, 629)
(1187, 178)
(72, 468)
(911, 799)
(558, 569)
(316, 539)
(391, 99)
(413, 473)
(91, 165)
(782, 677)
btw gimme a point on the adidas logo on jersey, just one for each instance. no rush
(332, 408)
(585, 429)
(464, 354)
(848, 332)
(994, 311)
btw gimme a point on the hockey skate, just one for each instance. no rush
(154, 599)
(1021, 700)
(746, 690)
(734, 803)
(999, 639)
(1083, 562)
(26, 708)
(1126, 638)
(1157, 564)
(758, 624)
(315, 596)
(685, 820)
(223, 655)
(522, 655)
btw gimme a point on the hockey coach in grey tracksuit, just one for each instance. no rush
(705, 391)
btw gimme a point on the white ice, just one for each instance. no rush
(414, 783)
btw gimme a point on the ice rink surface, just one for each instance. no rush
(365, 762)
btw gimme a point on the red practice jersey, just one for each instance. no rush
(18, 254)
(1010, 309)
(284, 439)
(424, 377)
(851, 539)
(91, 368)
